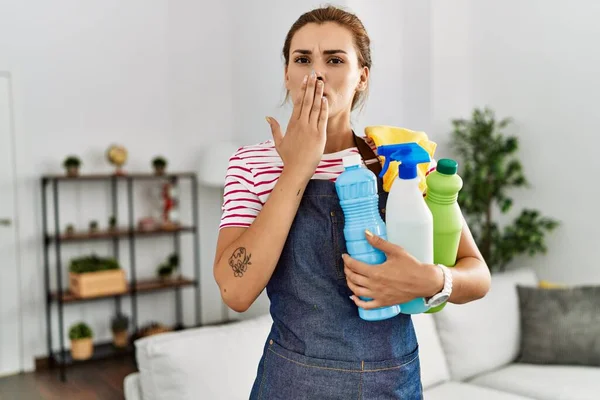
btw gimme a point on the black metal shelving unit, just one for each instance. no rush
(62, 297)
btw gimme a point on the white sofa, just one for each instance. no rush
(467, 352)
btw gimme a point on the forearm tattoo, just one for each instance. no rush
(239, 261)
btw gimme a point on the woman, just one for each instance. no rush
(282, 228)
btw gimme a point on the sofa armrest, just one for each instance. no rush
(131, 387)
(211, 362)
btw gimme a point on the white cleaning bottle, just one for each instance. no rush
(408, 219)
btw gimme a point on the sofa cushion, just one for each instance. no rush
(548, 382)
(434, 368)
(212, 362)
(560, 326)
(484, 335)
(465, 391)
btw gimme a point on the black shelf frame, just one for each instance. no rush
(62, 358)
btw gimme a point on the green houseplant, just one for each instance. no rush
(119, 325)
(159, 164)
(489, 168)
(82, 347)
(112, 223)
(93, 226)
(72, 164)
(165, 270)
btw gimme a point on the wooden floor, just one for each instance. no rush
(98, 380)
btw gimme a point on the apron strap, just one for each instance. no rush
(367, 154)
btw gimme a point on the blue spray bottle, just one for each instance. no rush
(408, 218)
(357, 190)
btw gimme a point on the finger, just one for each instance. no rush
(323, 115)
(367, 305)
(275, 131)
(316, 107)
(309, 96)
(359, 291)
(382, 244)
(299, 99)
(358, 267)
(357, 279)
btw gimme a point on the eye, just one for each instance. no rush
(336, 60)
(301, 60)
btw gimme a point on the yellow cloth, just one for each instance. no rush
(543, 284)
(384, 134)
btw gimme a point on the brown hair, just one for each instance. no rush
(345, 19)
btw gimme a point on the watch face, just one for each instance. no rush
(439, 300)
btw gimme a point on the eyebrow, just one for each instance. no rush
(308, 52)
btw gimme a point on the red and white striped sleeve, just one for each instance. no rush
(241, 204)
(432, 166)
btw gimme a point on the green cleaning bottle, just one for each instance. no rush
(443, 186)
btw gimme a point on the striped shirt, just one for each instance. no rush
(252, 174)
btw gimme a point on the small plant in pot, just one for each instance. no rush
(119, 327)
(166, 269)
(82, 347)
(70, 230)
(93, 226)
(72, 164)
(160, 165)
(112, 223)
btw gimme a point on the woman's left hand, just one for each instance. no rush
(399, 279)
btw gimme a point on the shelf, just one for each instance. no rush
(101, 351)
(123, 232)
(142, 286)
(107, 177)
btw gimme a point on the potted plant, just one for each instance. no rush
(92, 276)
(159, 164)
(70, 230)
(112, 223)
(490, 168)
(72, 164)
(93, 226)
(119, 327)
(165, 270)
(82, 347)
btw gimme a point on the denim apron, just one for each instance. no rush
(318, 347)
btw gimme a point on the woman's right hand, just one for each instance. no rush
(303, 145)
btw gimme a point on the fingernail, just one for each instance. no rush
(368, 233)
(305, 79)
(268, 120)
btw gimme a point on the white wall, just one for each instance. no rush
(200, 101)
(534, 61)
(149, 75)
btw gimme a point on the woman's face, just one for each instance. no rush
(329, 50)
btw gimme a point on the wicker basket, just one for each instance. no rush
(101, 283)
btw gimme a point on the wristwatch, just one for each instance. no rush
(443, 296)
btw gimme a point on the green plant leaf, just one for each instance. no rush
(490, 169)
